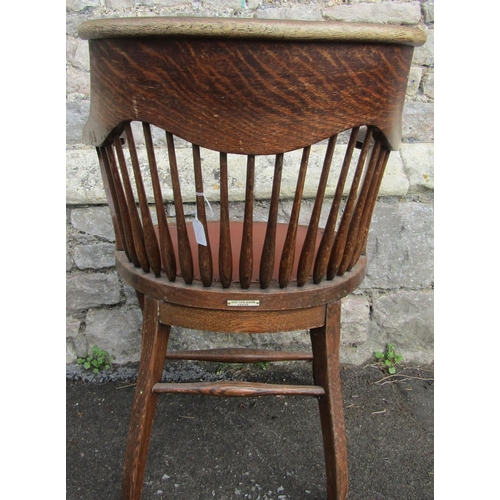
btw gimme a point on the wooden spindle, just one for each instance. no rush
(326, 244)
(340, 239)
(111, 197)
(128, 239)
(166, 247)
(204, 252)
(369, 207)
(307, 254)
(132, 208)
(185, 254)
(150, 241)
(288, 253)
(225, 253)
(246, 253)
(358, 212)
(269, 249)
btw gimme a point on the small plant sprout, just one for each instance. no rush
(98, 360)
(262, 365)
(389, 358)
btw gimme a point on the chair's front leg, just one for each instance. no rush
(326, 368)
(154, 346)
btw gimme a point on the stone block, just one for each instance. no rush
(98, 256)
(69, 261)
(395, 181)
(117, 331)
(71, 355)
(71, 44)
(77, 81)
(418, 160)
(184, 338)
(428, 10)
(400, 246)
(304, 13)
(429, 85)
(84, 185)
(424, 55)
(83, 178)
(77, 112)
(223, 4)
(79, 5)
(76, 344)
(252, 4)
(91, 290)
(168, 3)
(93, 220)
(130, 295)
(77, 53)
(418, 122)
(355, 320)
(368, 12)
(119, 4)
(405, 319)
(414, 79)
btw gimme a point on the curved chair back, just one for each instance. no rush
(269, 92)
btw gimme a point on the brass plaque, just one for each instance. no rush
(243, 303)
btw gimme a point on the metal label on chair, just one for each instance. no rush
(243, 303)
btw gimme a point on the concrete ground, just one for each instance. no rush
(256, 448)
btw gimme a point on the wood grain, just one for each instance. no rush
(341, 237)
(368, 209)
(248, 83)
(354, 226)
(242, 320)
(225, 247)
(110, 196)
(150, 240)
(239, 355)
(325, 343)
(238, 389)
(132, 208)
(325, 247)
(166, 248)
(216, 297)
(119, 206)
(309, 247)
(250, 28)
(246, 252)
(154, 344)
(269, 250)
(204, 253)
(288, 253)
(184, 253)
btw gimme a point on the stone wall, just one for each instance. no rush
(394, 303)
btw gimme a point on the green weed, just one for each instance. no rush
(389, 358)
(98, 360)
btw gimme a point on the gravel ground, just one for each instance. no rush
(254, 448)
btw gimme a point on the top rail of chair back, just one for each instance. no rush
(247, 86)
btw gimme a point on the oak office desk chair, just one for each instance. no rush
(243, 87)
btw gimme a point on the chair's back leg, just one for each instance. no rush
(326, 368)
(154, 346)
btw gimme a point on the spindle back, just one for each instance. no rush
(254, 98)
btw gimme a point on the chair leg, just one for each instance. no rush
(154, 346)
(326, 369)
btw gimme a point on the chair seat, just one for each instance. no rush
(215, 297)
(236, 231)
